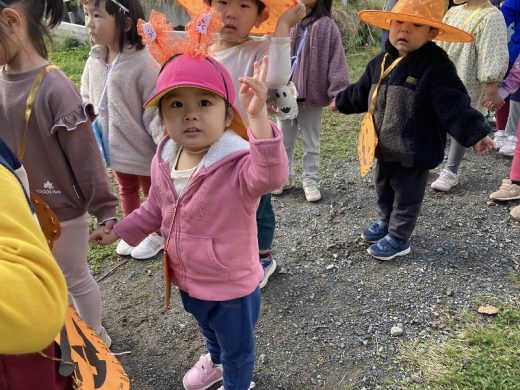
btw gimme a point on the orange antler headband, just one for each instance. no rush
(201, 32)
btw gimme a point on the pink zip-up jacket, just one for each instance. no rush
(511, 83)
(210, 229)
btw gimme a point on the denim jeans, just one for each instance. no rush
(228, 329)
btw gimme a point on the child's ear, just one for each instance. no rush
(128, 24)
(230, 114)
(12, 17)
(433, 34)
(262, 17)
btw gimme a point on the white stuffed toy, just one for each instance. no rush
(286, 101)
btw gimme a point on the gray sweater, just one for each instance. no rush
(130, 132)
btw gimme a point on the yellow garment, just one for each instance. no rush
(33, 293)
(484, 60)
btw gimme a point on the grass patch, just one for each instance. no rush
(98, 254)
(486, 356)
(70, 55)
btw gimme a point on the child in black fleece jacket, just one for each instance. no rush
(417, 104)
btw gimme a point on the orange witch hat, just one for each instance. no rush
(425, 12)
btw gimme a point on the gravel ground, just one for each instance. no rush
(327, 314)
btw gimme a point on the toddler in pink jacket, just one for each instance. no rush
(207, 180)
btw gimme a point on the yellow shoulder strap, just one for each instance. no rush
(29, 103)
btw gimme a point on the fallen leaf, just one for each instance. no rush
(488, 309)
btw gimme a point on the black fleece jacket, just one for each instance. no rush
(418, 104)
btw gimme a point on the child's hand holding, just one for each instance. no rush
(492, 101)
(484, 146)
(103, 236)
(289, 18)
(332, 105)
(253, 96)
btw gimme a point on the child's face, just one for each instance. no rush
(239, 17)
(194, 118)
(101, 26)
(408, 37)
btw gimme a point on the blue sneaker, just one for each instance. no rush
(269, 266)
(375, 232)
(389, 247)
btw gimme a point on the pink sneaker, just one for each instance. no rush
(203, 374)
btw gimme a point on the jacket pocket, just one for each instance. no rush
(199, 258)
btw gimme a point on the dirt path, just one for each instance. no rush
(327, 314)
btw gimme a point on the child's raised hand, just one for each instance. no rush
(100, 236)
(290, 17)
(253, 93)
(253, 96)
(484, 146)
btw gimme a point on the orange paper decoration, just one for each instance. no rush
(157, 35)
(201, 32)
(367, 142)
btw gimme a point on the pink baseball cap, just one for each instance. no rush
(198, 72)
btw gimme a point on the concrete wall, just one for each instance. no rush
(80, 32)
(76, 31)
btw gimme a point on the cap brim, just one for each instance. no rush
(382, 20)
(237, 124)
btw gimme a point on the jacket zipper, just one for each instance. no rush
(174, 215)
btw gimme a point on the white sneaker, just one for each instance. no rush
(509, 146)
(500, 139)
(149, 247)
(105, 337)
(123, 249)
(446, 181)
(288, 184)
(312, 190)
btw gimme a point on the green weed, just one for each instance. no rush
(485, 356)
(70, 55)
